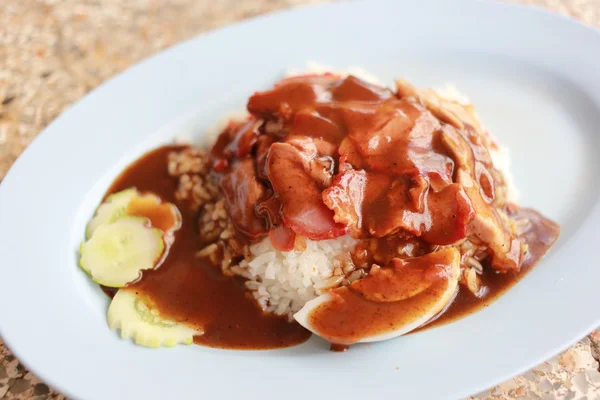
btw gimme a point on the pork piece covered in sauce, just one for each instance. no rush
(325, 156)
(406, 173)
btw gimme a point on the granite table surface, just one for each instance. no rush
(52, 52)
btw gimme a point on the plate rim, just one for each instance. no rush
(66, 115)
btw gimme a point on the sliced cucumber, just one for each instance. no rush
(113, 208)
(136, 319)
(118, 252)
(162, 215)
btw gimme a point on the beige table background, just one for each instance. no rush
(53, 52)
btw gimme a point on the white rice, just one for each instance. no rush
(450, 92)
(282, 282)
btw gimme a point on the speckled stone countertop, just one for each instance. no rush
(52, 52)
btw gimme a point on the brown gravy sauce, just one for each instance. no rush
(190, 289)
(466, 303)
(186, 288)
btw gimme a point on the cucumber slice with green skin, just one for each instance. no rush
(118, 252)
(113, 208)
(163, 215)
(135, 317)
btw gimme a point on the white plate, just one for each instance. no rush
(535, 80)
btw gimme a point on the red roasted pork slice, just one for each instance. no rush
(303, 209)
(292, 95)
(396, 138)
(393, 209)
(355, 89)
(373, 204)
(345, 197)
(451, 212)
(282, 238)
(439, 218)
(237, 139)
(377, 205)
(242, 191)
(311, 147)
(263, 144)
(312, 124)
(317, 157)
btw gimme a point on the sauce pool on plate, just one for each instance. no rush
(191, 289)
